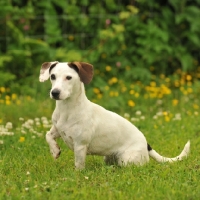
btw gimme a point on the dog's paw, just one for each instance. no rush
(55, 152)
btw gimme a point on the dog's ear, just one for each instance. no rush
(44, 71)
(85, 71)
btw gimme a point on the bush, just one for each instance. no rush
(134, 39)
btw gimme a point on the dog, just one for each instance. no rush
(89, 129)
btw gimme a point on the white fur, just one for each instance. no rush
(88, 128)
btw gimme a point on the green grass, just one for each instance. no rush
(27, 170)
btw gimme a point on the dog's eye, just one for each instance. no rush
(53, 77)
(68, 77)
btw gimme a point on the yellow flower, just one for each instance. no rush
(195, 106)
(18, 102)
(103, 55)
(28, 98)
(13, 96)
(153, 84)
(188, 77)
(131, 103)
(8, 102)
(99, 96)
(167, 118)
(21, 139)
(96, 90)
(131, 91)
(71, 37)
(174, 102)
(108, 68)
(113, 80)
(7, 97)
(2, 89)
(189, 90)
(137, 94)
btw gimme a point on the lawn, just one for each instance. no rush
(28, 171)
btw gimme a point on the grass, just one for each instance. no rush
(27, 170)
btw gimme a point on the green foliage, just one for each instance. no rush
(163, 35)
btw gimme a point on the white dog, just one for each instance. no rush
(88, 128)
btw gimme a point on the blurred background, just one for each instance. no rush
(136, 46)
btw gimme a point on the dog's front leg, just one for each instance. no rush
(80, 151)
(50, 138)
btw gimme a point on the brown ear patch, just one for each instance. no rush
(85, 71)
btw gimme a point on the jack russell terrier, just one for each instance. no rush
(88, 128)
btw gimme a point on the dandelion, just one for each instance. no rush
(71, 37)
(195, 106)
(137, 94)
(167, 118)
(2, 89)
(188, 77)
(14, 96)
(108, 68)
(96, 90)
(174, 102)
(131, 103)
(21, 139)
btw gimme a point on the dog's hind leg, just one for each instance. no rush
(133, 157)
(110, 160)
(50, 138)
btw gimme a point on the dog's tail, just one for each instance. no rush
(159, 158)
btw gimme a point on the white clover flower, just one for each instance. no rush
(9, 125)
(159, 102)
(134, 119)
(45, 122)
(21, 119)
(177, 116)
(159, 113)
(37, 119)
(30, 121)
(138, 112)
(43, 118)
(142, 117)
(1, 141)
(27, 189)
(155, 117)
(28, 173)
(38, 124)
(126, 115)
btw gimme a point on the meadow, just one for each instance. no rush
(167, 111)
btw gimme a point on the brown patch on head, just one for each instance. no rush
(85, 71)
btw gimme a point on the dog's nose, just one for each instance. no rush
(55, 93)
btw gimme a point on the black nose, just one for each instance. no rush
(55, 93)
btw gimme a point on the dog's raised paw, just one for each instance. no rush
(56, 152)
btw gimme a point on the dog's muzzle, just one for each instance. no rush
(55, 93)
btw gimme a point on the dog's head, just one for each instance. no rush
(65, 77)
